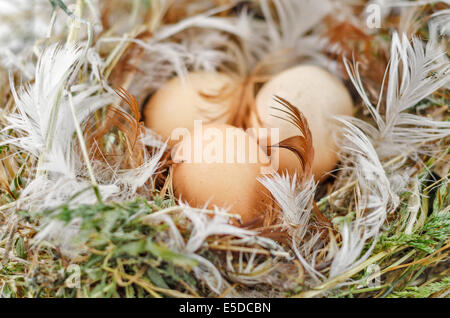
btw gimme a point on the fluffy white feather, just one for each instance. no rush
(295, 199)
(375, 200)
(415, 72)
(205, 226)
(42, 193)
(304, 256)
(297, 33)
(296, 18)
(44, 126)
(39, 104)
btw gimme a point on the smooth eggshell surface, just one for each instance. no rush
(200, 96)
(216, 181)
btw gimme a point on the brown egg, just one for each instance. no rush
(222, 172)
(318, 95)
(205, 96)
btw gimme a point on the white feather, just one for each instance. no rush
(295, 199)
(298, 32)
(39, 104)
(296, 202)
(44, 126)
(415, 72)
(42, 194)
(441, 21)
(375, 200)
(308, 264)
(204, 226)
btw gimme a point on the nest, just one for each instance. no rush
(87, 203)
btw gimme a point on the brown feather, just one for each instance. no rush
(130, 153)
(300, 145)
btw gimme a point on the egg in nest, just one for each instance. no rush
(220, 166)
(205, 96)
(319, 95)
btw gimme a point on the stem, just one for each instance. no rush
(364, 290)
(75, 26)
(398, 262)
(83, 148)
(52, 23)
